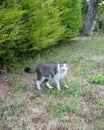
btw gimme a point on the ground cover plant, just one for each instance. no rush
(78, 106)
(97, 79)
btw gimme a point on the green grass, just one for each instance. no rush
(76, 106)
(6, 111)
(63, 107)
(75, 90)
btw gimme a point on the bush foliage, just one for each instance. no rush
(32, 25)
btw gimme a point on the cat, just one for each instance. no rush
(49, 70)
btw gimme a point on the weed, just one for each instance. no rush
(6, 111)
(101, 102)
(97, 79)
(63, 107)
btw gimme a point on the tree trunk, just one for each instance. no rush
(91, 14)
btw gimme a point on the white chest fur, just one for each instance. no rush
(61, 72)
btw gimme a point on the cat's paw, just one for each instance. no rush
(59, 89)
(39, 88)
(50, 87)
(66, 86)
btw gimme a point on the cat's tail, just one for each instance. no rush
(29, 70)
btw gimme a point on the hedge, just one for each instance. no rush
(32, 25)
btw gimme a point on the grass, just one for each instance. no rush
(63, 107)
(79, 105)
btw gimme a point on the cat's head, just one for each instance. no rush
(64, 65)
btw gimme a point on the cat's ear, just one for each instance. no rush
(68, 62)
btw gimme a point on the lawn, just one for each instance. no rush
(78, 106)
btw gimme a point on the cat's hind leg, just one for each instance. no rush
(47, 84)
(38, 82)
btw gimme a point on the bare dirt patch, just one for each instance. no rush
(5, 87)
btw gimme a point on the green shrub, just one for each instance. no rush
(71, 16)
(44, 25)
(11, 36)
(28, 25)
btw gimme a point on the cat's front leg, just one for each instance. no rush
(57, 84)
(48, 85)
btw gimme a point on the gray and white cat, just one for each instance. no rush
(49, 70)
